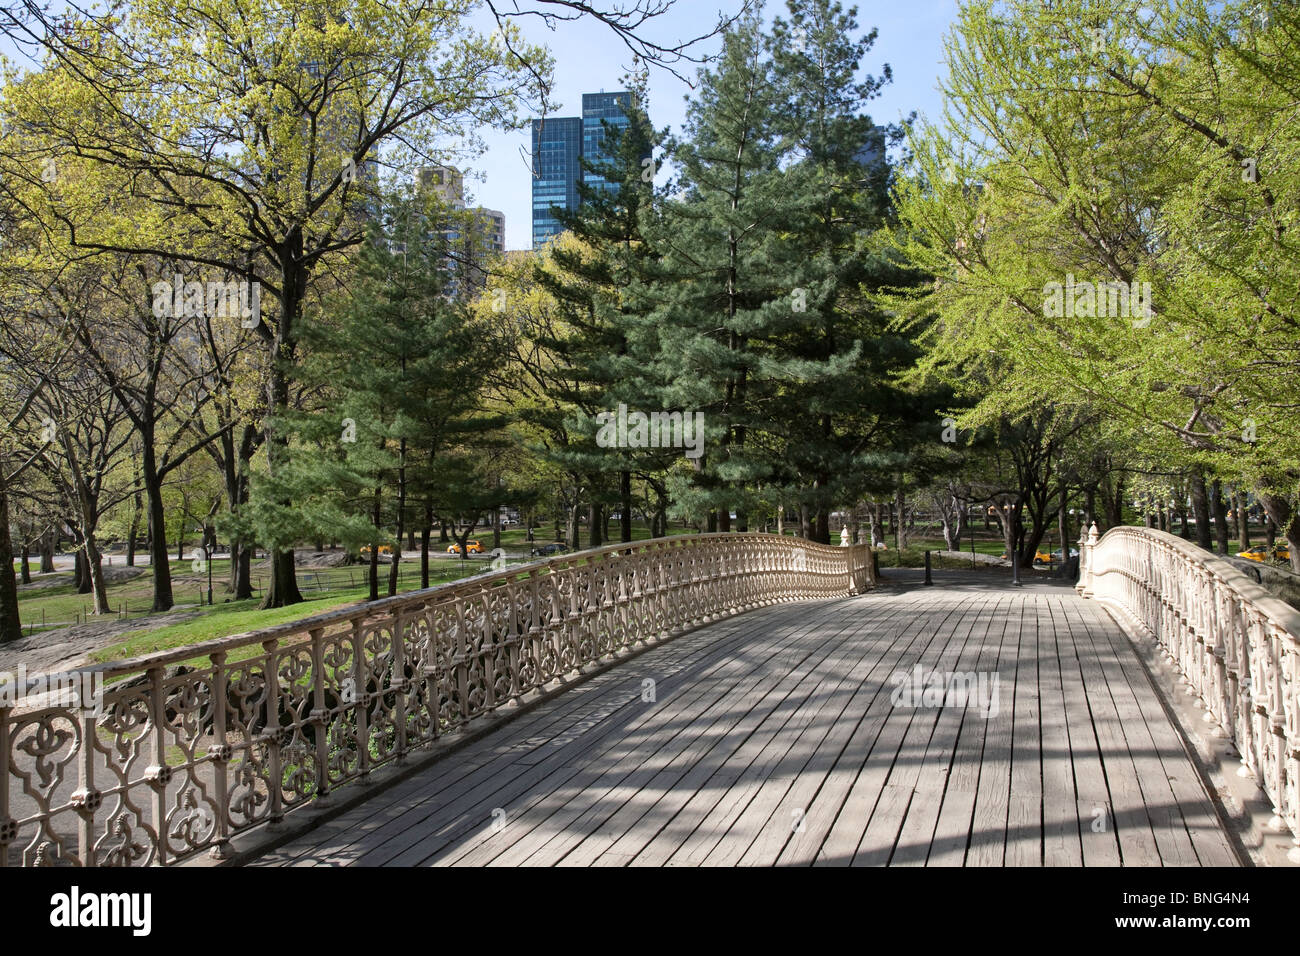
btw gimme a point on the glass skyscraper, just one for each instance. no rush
(559, 146)
(599, 109)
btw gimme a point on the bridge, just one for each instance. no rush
(732, 699)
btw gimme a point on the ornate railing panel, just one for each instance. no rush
(1234, 643)
(192, 746)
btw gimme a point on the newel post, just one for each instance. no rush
(1087, 556)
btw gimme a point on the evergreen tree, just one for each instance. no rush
(717, 296)
(592, 281)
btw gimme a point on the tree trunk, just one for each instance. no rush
(46, 546)
(1219, 507)
(82, 572)
(98, 586)
(26, 566)
(159, 561)
(376, 515)
(595, 522)
(1201, 509)
(243, 559)
(11, 627)
(134, 531)
(1280, 511)
(1063, 527)
(394, 569)
(1243, 521)
(625, 506)
(426, 532)
(900, 526)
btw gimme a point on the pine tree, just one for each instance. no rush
(715, 298)
(592, 279)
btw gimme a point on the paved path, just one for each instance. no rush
(787, 736)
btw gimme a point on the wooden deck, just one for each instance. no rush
(772, 739)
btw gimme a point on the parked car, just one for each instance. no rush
(1281, 552)
(1056, 555)
(1040, 557)
(472, 546)
(547, 549)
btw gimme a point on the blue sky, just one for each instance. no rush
(588, 58)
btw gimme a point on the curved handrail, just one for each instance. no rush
(1237, 645)
(178, 759)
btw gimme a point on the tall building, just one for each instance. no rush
(560, 144)
(447, 182)
(469, 234)
(599, 109)
(557, 151)
(492, 225)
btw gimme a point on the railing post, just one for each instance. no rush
(320, 717)
(360, 701)
(8, 825)
(271, 734)
(220, 753)
(158, 774)
(88, 800)
(1090, 549)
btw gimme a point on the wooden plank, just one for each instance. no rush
(952, 834)
(731, 674)
(917, 837)
(1191, 808)
(648, 808)
(776, 814)
(787, 710)
(736, 821)
(1024, 837)
(556, 823)
(835, 818)
(827, 776)
(1172, 841)
(1062, 843)
(1097, 837)
(449, 796)
(918, 782)
(1129, 819)
(987, 845)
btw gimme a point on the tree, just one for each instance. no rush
(1100, 230)
(284, 138)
